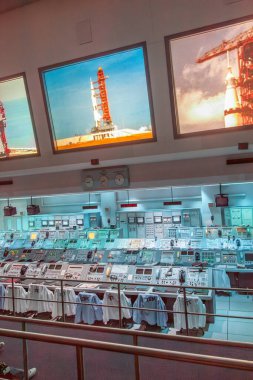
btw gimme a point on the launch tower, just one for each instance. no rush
(243, 42)
(100, 104)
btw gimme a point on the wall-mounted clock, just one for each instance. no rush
(88, 182)
(103, 180)
(114, 177)
(119, 179)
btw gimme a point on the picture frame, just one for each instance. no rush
(101, 100)
(18, 138)
(209, 71)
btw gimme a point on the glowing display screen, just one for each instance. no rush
(211, 72)
(17, 136)
(91, 235)
(33, 236)
(99, 100)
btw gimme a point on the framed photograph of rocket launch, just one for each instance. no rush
(211, 78)
(100, 100)
(17, 133)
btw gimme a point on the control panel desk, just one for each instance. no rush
(240, 277)
(169, 297)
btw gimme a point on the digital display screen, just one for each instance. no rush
(79, 222)
(58, 267)
(95, 92)
(176, 219)
(31, 224)
(51, 223)
(221, 201)
(131, 220)
(148, 271)
(16, 122)
(248, 256)
(157, 219)
(65, 223)
(44, 223)
(139, 271)
(140, 220)
(210, 76)
(100, 270)
(51, 266)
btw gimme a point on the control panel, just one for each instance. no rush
(96, 273)
(248, 258)
(144, 274)
(168, 276)
(75, 272)
(229, 258)
(56, 271)
(197, 277)
(119, 273)
(17, 270)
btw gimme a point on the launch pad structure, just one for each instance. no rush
(238, 106)
(101, 110)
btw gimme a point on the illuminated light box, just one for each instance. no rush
(125, 205)
(210, 77)
(91, 235)
(100, 100)
(172, 203)
(17, 135)
(90, 207)
(33, 236)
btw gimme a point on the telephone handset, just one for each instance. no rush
(182, 276)
(158, 274)
(108, 271)
(43, 270)
(23, 270)
(6, 268)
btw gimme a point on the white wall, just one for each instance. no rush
(44, 33)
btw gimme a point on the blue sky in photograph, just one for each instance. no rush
(69, 96)
(19, 128)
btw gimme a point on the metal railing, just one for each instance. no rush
(119, 286)
(79, 344)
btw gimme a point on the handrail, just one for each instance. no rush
(151, 285)
(135, 333)
(215, 361)
(118, 285)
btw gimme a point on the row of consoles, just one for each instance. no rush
(101, 256)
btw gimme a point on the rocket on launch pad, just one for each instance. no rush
(101, 111)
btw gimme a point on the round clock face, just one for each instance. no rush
(119, 179)
(103, 180)
(88, 181)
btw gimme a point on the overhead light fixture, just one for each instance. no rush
(89, 206)
(125, 205)
(9, 210)
(172, 202)
(33, 209)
